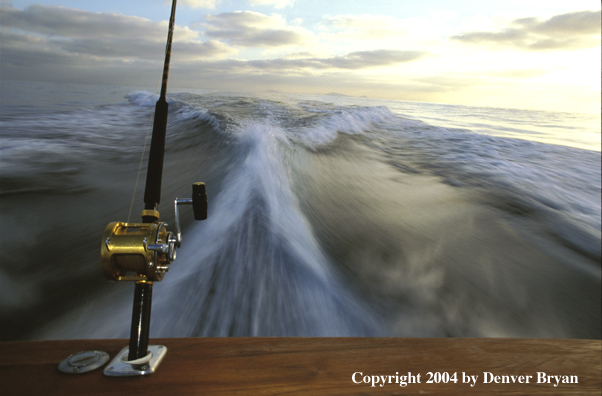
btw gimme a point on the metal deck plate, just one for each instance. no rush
(120, 367)
(84, 361)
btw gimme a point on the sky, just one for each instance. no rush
(514, 54)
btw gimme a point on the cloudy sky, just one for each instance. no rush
(511, 53)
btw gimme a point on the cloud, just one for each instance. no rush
(48, 43)
(276, 3)
(253, 29)
(191, 50)
(367, 26)
(210, 4)
(366, 59)
(580, 23)
(575, 30)
(73, 23)
(299, 55)
(42, 30)
(521, 73)
(296, 64)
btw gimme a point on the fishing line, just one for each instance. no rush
(150, 123)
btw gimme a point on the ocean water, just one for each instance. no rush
(328, 215)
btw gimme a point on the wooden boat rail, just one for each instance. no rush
(315, 366)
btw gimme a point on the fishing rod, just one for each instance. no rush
(142, 252)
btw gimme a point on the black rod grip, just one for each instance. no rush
(143, 295)
(154, 175)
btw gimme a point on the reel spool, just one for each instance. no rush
(142, 252)
(145, 249)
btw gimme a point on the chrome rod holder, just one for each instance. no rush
(121, 367)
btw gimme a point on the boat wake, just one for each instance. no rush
(325, 219)
(253, 268)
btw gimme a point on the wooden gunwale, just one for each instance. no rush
(309, 366)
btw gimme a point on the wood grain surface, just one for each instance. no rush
(312, 366)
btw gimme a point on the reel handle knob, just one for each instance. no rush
(199, 206)
(199, 201)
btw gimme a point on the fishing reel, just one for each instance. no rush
(143, 252)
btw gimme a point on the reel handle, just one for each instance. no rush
(199, 206)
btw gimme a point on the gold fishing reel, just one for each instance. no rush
(144, 251)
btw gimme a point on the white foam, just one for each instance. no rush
(143, 98)
(350, 121)
(562, 179)
(255, 254)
